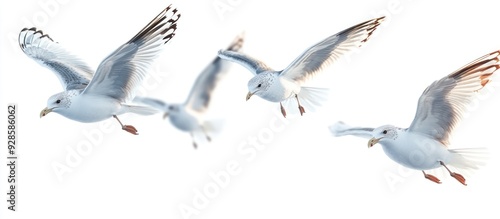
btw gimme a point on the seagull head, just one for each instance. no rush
(56, 103)
(172, 109)
(383, 133)
(258, 84)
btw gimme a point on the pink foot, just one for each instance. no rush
(130, 129)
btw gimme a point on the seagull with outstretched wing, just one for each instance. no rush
(89, 97)
(423, 146)
(189, 116)
(278, 86)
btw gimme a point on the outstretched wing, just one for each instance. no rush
(253, 65)
(329, 50)
(341, 129)
(201, 92)
(442, 104)
(155, 103)
(72, 72)
(121, 72)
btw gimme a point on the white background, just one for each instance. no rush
(301, 171)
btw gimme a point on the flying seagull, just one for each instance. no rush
(89, 97)
(189, 116)
(424, 145)
(278, 86)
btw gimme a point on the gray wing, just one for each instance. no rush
(341, 129)
(71, 71)
(442, 104)
(155, 103)
(329, 50)
(201, 93)
(119, 74)
(253, 65)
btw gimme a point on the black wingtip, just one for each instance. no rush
(237, 43)
(23, 42)
(168, 27)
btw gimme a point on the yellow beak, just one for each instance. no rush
(45, 112)
(249, 95)
(373, 141)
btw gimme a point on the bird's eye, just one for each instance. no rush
(58, 101)
(260, 85)
(384, 132)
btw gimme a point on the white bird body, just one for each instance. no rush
(185, 119)
(107, 108)
(422, 154)
(94, 112)
(279, 89)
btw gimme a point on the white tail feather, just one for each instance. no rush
(213, 127)
(468, 160)
(209, 131)
(464, 161)
(311, 98)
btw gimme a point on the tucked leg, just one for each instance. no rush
(128, 128)
(282, 110)
(194, 142)
(431, 178)
(457, 176)
(206, 134)
(301, 109)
